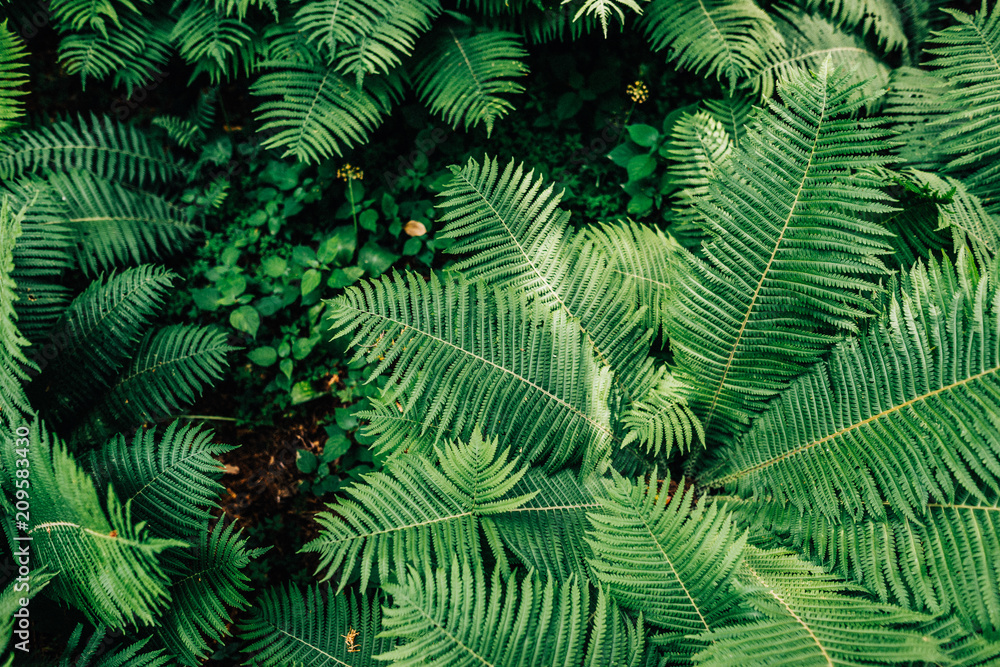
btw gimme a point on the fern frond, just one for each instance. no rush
(734, 112)
(463, 77)
(94, 15)
(319, 113)
(129, 656)
(542, 388)
(107, 566)
(295, 626)
(171, 478)
(721, 38)
(116, 225)
(547, 531)
(519, 238)
(134, 53)
(549, 24)
(699, 145)
(905, 412)
(97, 335)
(747, 318)
(170, 369)
(813, 618)
(666, 557)
(214, 44)
(388, 40)
(44, 250)
(450, 616)
(917, 102)
(104, 148)
(331, 24)
(884, 18)
(615, 638)
(605, 9)
(13, 402)
(811, 39)
(205, 583)
(966, 55)
(662, 420)
(643, 255)
(940, 564)
(414, 507)
(12, 50)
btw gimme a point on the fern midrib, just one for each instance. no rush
(551, 289)
(468, 63)
(864, 422)
(732, 70)
(666, 558)
(770, 261)
(312, 646)
(171, 362)
(444, 630)
(596, 426)
(299, 140)
(12, 155)
(798, 619)
(394, 529)
(123, 301)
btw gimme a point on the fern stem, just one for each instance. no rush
(208, 417)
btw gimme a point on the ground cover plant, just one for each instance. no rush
(594, 333)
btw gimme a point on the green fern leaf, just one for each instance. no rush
(205, 584)
(452, 617)
(331, 24)
(319, 113)
(942, 563)
(213, 43)
(734, 112)
(463, 76)
(129, 656)
(114, 151)
(663, 556)
(170, 369)
(718, 37)
(11, 78)
(917, 102)
(310, 627)
(967, 55)
(605, 9)
(13, 402)
(414, 507)
(547, 531)
(644, 255)
(542, 390)
(518, 237)
(811, 39)
(906, 412)
(747, 318)
(812, 618)
(116, 225)
(91, 14)
(389, 39)
(662, 420)
(106, 565)
(98, 334)
(170, 478)
(136, 54)
(884, 18)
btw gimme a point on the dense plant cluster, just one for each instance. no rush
(747, 413)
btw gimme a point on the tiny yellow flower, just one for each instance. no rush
(638, 92)
(349, 173)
